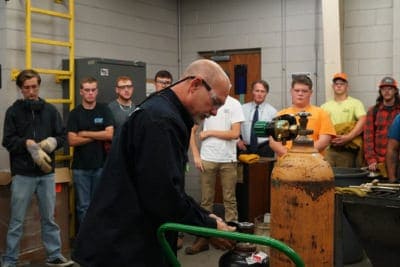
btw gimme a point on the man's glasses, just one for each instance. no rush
(216, 102)
(128, 86)
(206, 85)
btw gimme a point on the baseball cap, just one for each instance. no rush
(388, 81)
(340, 75)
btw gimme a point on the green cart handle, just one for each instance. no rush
(203, 231)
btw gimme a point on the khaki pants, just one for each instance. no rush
(341, 158)
(228, 175)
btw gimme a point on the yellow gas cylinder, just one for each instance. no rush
(302, 205)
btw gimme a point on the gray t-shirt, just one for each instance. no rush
(120, 112)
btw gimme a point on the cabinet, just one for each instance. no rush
(31, 247)
(106, 71)
(374, 219)
(253, 192)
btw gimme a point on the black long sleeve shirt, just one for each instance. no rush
(26, 121)
(141, 188)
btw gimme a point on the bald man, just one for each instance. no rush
(142, 185)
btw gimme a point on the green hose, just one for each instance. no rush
(203, 231)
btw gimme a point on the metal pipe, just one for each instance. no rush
(283, 55)
(28, 43)
(179, 37)
(208, 232)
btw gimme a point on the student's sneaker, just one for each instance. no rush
(60, 261)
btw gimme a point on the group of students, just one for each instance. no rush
(365, 138)
(33, 130)
(342, 132)
(142, 184)
(91, 127)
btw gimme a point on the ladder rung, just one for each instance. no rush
(59, 100)
(60, 78)
(63, 157)
(50, 13)
(50, 42)
(52, 71)
(61, 74)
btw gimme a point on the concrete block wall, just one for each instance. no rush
(368, 45)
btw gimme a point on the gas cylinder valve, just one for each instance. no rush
(284, 127)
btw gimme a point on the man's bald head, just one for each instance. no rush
(210, 72)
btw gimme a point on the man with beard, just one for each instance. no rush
(379, 118)
(142, 182)
(123, 106)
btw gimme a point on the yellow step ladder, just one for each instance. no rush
(59, 74)
(70, 44)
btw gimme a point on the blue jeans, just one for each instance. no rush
(22, 189)
(85, 182)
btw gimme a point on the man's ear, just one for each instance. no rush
(194, 85)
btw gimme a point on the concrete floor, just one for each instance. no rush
(210, 258)
(207, 258)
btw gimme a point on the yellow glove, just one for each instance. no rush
(381, 166)
(249, 158)
(351, 190)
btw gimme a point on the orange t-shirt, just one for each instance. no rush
(319, 121)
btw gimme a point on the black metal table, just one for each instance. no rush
(375, 219)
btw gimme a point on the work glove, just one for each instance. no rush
(49, 144)
(40, 157)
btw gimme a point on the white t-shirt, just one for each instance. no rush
(216, 149)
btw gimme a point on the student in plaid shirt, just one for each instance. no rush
(379, 119)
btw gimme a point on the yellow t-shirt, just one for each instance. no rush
(319, 121)
(348, 110)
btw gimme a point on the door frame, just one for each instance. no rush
(227, 59)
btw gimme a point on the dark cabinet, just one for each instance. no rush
(106, 71)
(253, 192)
(31, 247)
